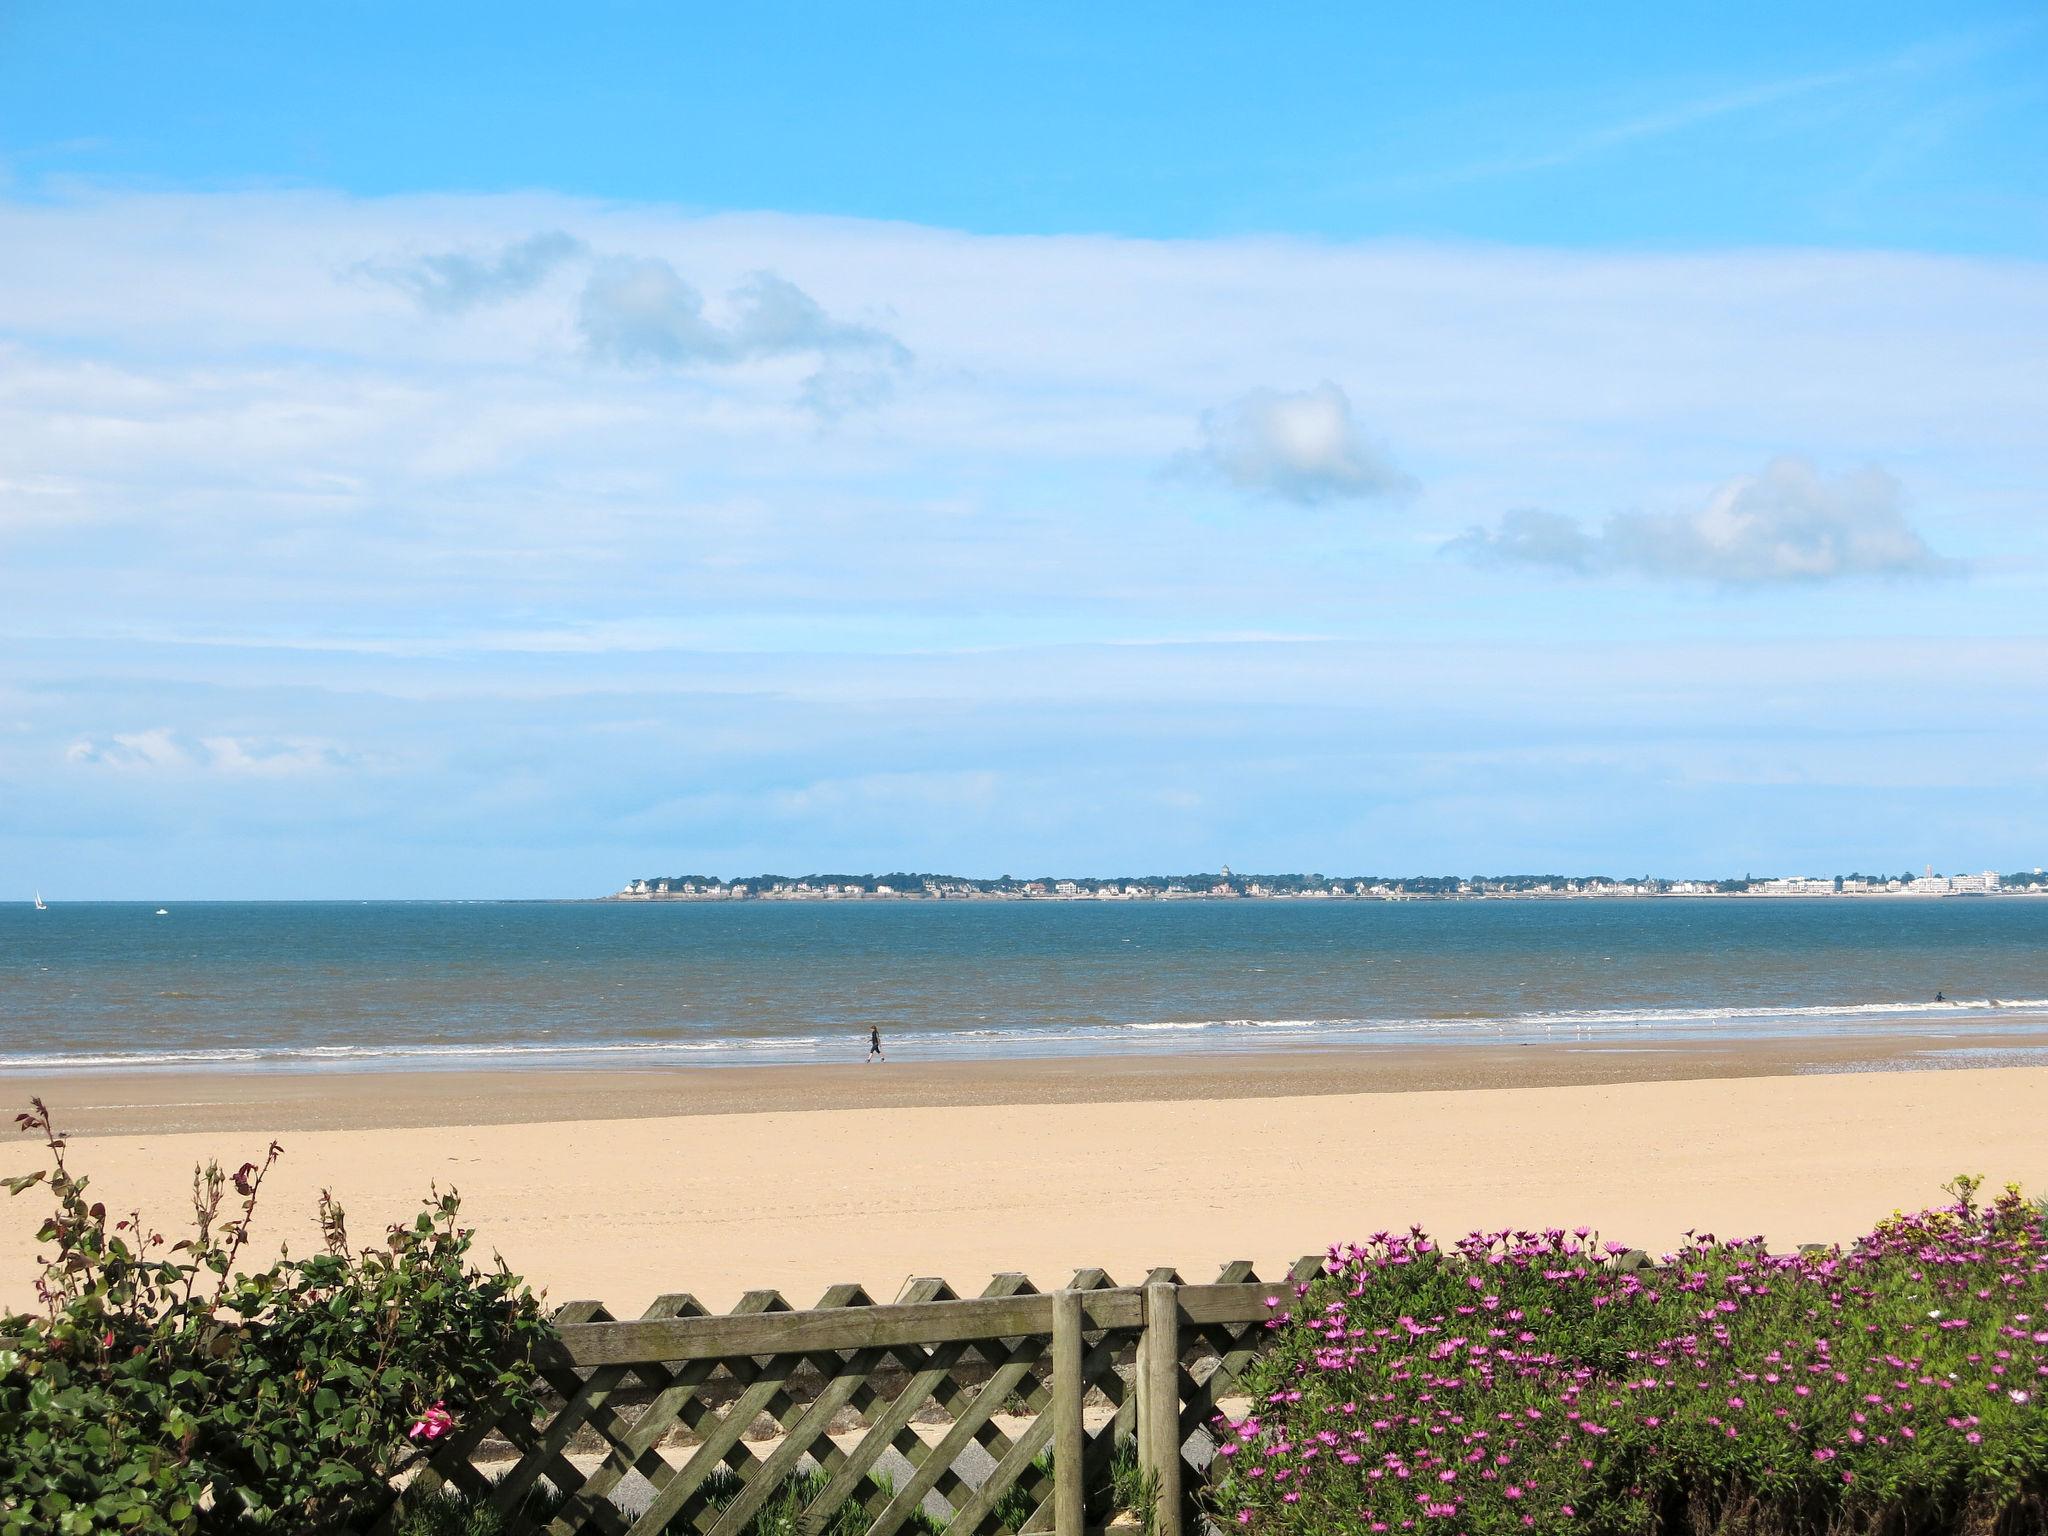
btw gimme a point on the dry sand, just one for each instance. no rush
(622, 1186)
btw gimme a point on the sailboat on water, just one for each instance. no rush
(41, 905)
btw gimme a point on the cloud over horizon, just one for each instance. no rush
(1786, 525)
(452, 282)
(1303, 446)
(639, 311)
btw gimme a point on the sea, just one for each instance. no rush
(422, 985)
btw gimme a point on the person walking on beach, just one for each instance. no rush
(875, 1043)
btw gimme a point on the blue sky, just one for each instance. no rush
(454, 451)
(1716, 125)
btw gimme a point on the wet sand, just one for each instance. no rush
(128, 1103)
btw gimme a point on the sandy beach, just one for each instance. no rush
(623, 1186)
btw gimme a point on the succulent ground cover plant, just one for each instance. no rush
(1534, 1381)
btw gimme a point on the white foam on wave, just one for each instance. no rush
(365, 1055)
(1026, 1040)
(1681, 1016)
(59, 1060)
(1175, 1024)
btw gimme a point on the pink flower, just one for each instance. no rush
(432, 1424)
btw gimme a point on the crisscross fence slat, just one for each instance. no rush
(1003, 1414)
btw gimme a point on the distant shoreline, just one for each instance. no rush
(649, 898)
(1225, 884)
(1203, 898)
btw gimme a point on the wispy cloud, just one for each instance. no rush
(1305, 447)
(163, 750)
(451, 282)
(267, 758)
(639, 311)
(130, 751)
(1731, 101)
(1785, 525)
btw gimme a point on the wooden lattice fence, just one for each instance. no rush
(1006, 1414)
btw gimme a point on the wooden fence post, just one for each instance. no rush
(1159, 1403)
(1069, 1444)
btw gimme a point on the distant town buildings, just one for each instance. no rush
(1226, 885)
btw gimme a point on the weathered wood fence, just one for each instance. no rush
(1011, 1413)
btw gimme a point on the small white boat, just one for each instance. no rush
(163, 911)
(41, 905)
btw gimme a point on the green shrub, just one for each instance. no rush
(1013, 1506)
(919, 1523)
(449, 1513)
(780, 1514)
(1133, 1487)
(1535, 1382)
(162, 1391)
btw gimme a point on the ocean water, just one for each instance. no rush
(415, 984)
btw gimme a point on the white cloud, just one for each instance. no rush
(163, 750)
(1303, 447)
(1784, 525)
(269, 759)
(450, 282)
(284, 454)
(639, 311)
(130, 751)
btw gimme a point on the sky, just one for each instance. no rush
(482, 451)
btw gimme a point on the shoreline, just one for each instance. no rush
(136, 1102)
(906, 898)
(1180, 898)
